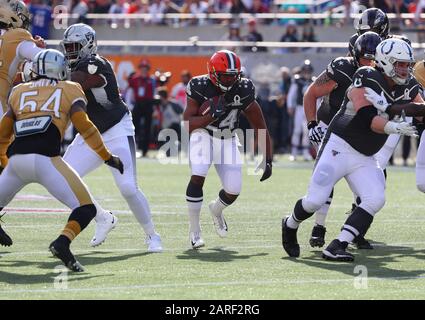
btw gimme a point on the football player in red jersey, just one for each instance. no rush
(213, 139)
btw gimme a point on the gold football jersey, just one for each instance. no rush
(46, 97)
(419, 72)
(9, 60)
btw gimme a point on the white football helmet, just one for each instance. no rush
(51, 64)
(391, 51)
(79, 41)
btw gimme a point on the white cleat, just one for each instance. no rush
(103, 227)
(154, 243)
(219, 221)
(196, 240)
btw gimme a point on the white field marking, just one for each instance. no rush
(250, 224)
(55, 211)
(182, 249)
(47, 211)
(33, 197)
(207, 284)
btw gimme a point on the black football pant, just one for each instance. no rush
(143, 110)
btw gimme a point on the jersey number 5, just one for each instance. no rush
(54, 99)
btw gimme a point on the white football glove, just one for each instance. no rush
(27, 74)
(401, 128)
(378, 101)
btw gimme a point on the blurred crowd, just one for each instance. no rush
(156, 105)
(157, 7)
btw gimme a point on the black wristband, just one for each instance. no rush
(311, 124)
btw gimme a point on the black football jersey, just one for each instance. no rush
(237, 99)
(105, 106)
(350, 127)
(340, 70)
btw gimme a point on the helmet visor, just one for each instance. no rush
(227, 79)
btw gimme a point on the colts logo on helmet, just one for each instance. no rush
(391, 47)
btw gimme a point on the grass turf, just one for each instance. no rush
(248, 264)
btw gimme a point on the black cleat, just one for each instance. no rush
(361, 243)
(335, 251)
(317, 238)
(289, 240)
(61, 251)
(5, 240)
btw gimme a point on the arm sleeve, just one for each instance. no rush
(27, 50)
(90, 134)
(6, 132)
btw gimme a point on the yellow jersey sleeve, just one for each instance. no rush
(419, 72)
(18, 35)
(13, 100)
(74, 92)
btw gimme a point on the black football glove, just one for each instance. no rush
(115, 162)
(266, 165)
(217, 107)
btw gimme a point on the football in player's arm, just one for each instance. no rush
(253, 114)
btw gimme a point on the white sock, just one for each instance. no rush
(292, 223)
(194, 210)
(218, 206)
(101, 214)
(345, 236)
(321, 214)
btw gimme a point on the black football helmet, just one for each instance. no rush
(401, 37)
(351, 43)
(365, 46)
(374, 19)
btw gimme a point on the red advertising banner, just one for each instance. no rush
(126, 64)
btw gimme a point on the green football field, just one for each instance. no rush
(248, 264)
